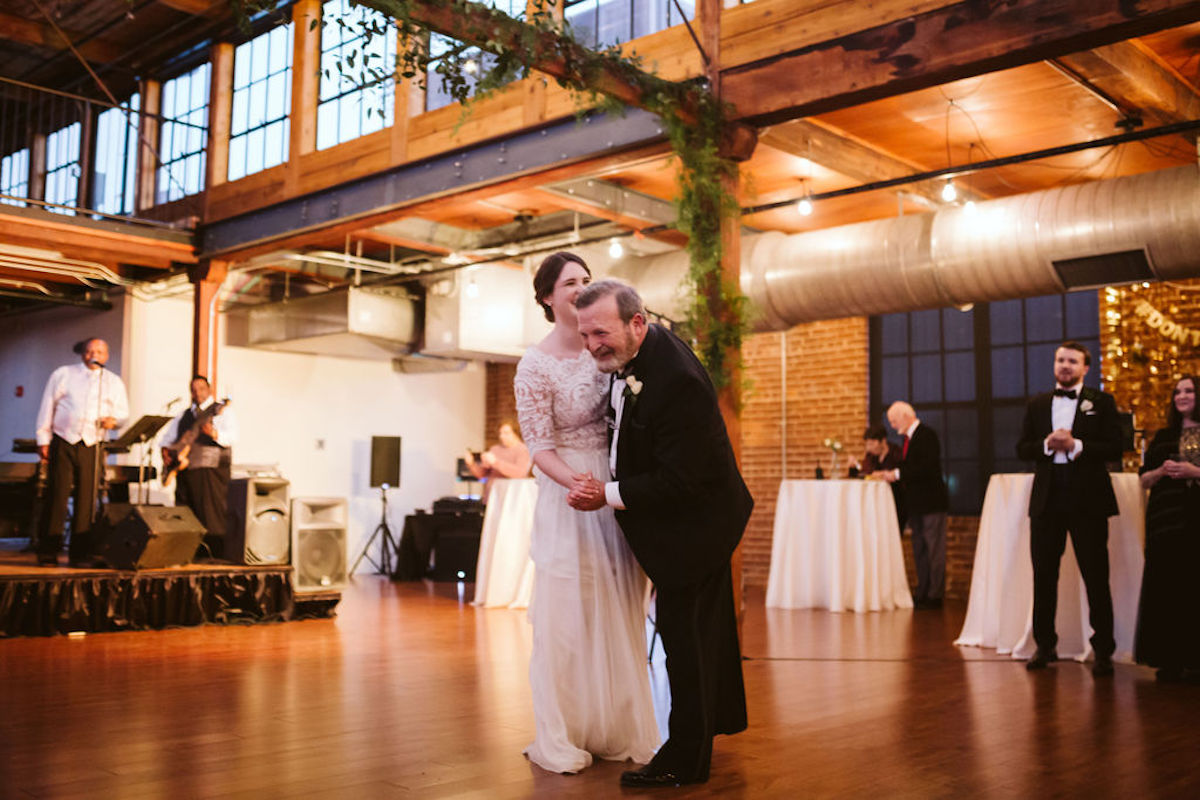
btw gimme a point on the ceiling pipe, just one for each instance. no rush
(998, 250)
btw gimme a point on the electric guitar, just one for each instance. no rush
(175, 456)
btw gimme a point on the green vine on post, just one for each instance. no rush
(608, 80)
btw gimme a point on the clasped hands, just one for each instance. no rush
(1061, 441)
(1180, 470)
(587, 493)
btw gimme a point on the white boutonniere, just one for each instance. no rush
(1085, 406)
(633, 387)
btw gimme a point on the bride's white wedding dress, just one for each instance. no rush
(591, 689)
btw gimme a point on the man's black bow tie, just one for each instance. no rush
(1068, 393)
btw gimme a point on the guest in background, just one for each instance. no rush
(882, 456)
(925, 499)
(507, 459)
(81, 403)
(208, 433)
(1071, 434)
(1168, 631)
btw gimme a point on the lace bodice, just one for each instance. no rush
(561, 402)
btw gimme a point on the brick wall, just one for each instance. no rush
(783, 430)
(501, 405)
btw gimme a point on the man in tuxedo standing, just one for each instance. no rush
(1070, 434)
(926, 500)
(682, 505)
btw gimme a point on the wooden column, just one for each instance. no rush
(408, 100)
(147, 160)
(708, 22)
(306, 72)
(220, 116)
(206, 278)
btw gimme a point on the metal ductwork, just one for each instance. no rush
(355, 322)
(1141, 227)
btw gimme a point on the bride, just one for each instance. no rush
(591, 689)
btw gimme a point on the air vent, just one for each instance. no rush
(1089, 272)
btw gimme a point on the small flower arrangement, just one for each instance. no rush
(835, 447)
(633, 387)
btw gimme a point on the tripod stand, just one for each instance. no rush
(387, 546)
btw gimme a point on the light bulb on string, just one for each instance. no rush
(471, 66)
(615, 250)
(949, 193)
(805, 207)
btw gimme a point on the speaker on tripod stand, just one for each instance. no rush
(385, 473)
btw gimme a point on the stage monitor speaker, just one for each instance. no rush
(148, 537)
(258, 521)
(385, 461)
(319, 543)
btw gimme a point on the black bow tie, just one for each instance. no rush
(1068, 393)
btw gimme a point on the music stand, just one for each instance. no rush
(140, 432)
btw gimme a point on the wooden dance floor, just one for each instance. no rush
(411, 692)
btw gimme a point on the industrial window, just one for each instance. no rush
(262, 98)
(600, 23)
(969, 373)
(358, 61)
(62, 168)
(437, 94)
(184, 135)
(14, 177)
(116, 158)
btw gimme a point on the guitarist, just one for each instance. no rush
(197, 456)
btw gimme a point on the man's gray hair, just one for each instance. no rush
(629, 302)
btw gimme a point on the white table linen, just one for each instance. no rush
(1000, 607)
(504, 572)
(837, 545)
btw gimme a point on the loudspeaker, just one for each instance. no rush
(148, 537)
(319, 543)
(258, 521)
(455, 545)
(385, 461)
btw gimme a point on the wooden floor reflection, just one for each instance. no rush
(411, 692)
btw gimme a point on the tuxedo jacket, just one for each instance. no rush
(1098, 426)
(686, 504)
(921, 473)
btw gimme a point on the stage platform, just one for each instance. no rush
(49, 601)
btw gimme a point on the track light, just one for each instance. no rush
(615, 249)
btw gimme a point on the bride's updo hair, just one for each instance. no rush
(547, 276)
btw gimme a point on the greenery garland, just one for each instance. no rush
(692, 116)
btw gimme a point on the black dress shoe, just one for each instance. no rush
(648, 778)
(1041, 659)
(1102, 666)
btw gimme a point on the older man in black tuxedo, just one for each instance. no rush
(1071, 434)
(926, 500)
(683, 506)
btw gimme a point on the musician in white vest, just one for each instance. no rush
(81, 404)
(197, 455)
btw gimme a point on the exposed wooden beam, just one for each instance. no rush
(1138, 80)
(960, 40)
(597, 209)
(836, 150)
(198, 8)
(88, 244)
(355, 227)
(39, 34)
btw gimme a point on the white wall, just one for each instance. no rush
(312, 415)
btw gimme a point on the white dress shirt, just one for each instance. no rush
(1062, 417)
(616, 398)
(225, 427)
(75, 399)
